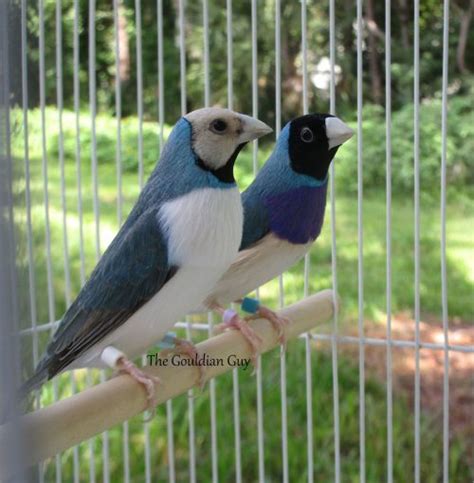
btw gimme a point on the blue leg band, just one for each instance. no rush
(168, 341)
(250, 305)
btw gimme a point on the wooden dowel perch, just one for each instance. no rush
(66, 423)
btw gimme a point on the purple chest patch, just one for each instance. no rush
(298, 214)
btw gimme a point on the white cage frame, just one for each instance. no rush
(335, 339)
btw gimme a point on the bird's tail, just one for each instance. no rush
(34, 382)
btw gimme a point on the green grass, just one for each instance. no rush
(460, 279)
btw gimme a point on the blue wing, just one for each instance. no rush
(131, 271)
(256, 219)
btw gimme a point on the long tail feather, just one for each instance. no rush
(34, 382)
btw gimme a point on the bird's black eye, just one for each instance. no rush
(306, 135)
(218, 126)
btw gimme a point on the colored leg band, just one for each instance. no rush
(168, 341)
(228, 315)
(250, 305)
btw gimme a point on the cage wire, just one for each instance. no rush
(110, 455)
(9, 314)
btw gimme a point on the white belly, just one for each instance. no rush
(150, 323)
(204, 230)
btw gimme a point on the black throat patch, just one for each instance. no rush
(224, 173)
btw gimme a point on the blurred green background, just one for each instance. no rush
(114, 196)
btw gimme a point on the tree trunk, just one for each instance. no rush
(124, 46)
(403, 16)
(374, 65)
(466, 17)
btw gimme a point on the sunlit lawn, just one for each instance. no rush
(460, 279)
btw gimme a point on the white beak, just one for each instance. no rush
(337, 132)
(252, 129)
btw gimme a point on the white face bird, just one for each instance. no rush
(219, 134)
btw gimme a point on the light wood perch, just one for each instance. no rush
(66, 423)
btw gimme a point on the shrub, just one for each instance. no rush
(460, 146)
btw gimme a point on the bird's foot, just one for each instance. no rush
(186, 348)
(116, 359)
(279, 323)
(259, 311)
(232, 320)
(126, 366)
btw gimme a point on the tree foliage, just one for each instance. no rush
(431, 23)
(461, 65)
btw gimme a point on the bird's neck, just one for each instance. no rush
(178, 171)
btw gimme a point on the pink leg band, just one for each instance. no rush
(228, 315)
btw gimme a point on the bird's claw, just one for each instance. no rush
(184, 347)
(187, 348)
(278, 322)
(231, 320)
(126, 366)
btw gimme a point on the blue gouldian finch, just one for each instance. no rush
(283, 215)
(180, 237)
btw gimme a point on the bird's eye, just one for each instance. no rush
(218, 126)
(306, 135)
